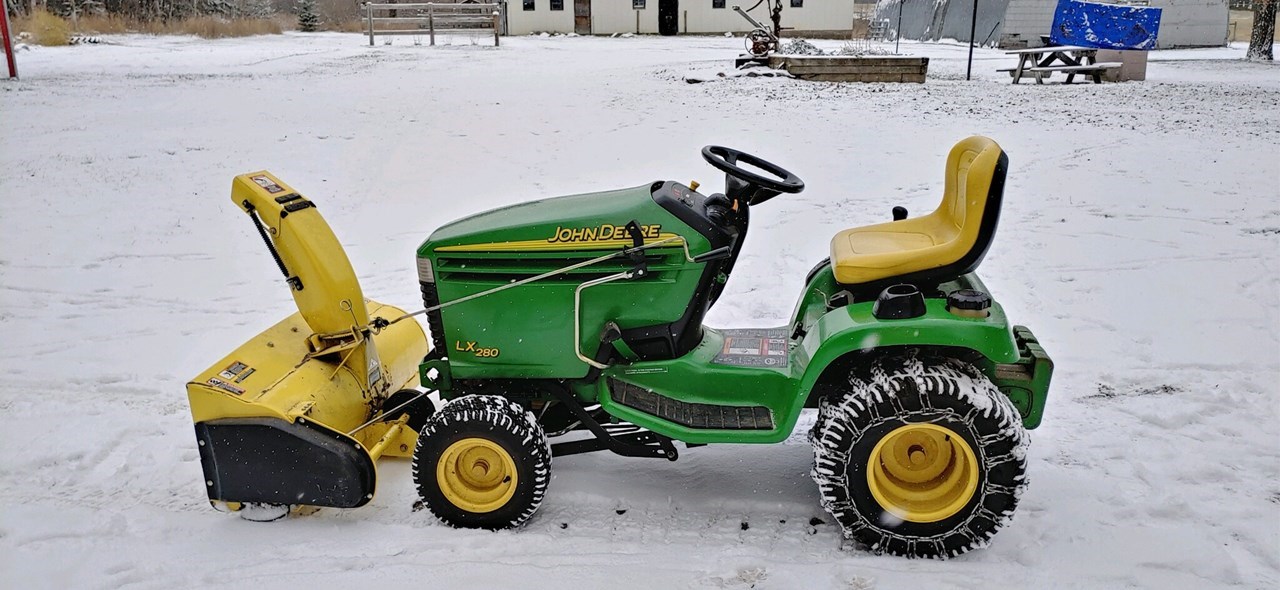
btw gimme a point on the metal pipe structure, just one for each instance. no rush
(753, 21)
(8, 41)
(897, 35)
(973, 31)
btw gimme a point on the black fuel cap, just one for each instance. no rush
(968, 300)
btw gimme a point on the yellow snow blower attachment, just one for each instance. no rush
(295, 416)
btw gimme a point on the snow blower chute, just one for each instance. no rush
(294, 416)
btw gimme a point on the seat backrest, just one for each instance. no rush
(960, 230)
(975, 175)
(968, 215)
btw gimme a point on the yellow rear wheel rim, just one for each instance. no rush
(477, 475)
(922, 473)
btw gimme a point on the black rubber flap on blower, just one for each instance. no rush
(271, 461)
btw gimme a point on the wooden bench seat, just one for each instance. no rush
(1048, 48)
(1078, 69)
(1093, 71)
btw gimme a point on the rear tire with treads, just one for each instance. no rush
(482, 461)
(873, 445)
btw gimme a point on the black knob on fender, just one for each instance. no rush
(969, 303)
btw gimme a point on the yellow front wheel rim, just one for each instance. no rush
(477, 475)
(922, 473)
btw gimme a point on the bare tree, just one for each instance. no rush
(1264, 30)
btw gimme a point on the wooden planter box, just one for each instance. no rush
(832, 68)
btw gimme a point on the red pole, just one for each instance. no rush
(8, 43)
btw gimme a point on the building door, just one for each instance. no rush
(668, 17)
(582, 17)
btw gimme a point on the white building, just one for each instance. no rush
(1183, 23)
(669, 17)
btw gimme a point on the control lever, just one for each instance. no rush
(640, 268)
(718, 254)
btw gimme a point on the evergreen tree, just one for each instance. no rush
(259, 8)
(308, 18)
(222, 8)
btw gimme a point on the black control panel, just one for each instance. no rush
(691, 207)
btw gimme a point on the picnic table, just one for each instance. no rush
(1039, 62)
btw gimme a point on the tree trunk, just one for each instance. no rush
(1264, 30)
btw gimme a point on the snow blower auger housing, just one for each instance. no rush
(278, 420)
(575, 324)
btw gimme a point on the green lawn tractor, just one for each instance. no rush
(574, 324)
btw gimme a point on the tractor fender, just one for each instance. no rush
(844, 333)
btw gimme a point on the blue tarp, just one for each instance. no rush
(1105, 26)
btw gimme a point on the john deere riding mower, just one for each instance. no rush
(574, 324)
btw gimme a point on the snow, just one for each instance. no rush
(1140, 239)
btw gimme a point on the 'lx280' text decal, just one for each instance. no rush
(479, 351)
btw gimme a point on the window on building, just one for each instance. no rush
(557, 4)
(717, 3)
(797, 3)
(528, 4)
(637, 4)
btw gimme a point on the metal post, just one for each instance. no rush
(897, 35)
(495, 29)
(8, 42)
(369, 15)
(431, 22)
(973, 31)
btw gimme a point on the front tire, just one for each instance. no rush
(920, 457)
(483, 462)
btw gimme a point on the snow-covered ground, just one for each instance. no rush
(1140, 240)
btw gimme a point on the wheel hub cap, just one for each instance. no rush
(922, 473)
(476, 475)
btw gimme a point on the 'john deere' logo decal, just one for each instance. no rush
(602, 233)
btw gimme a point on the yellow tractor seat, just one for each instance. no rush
(940, 246)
